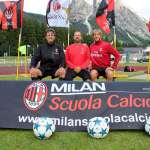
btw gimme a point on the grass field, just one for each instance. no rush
(13, 77)
(116, 140)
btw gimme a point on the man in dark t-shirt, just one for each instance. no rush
(51, 57)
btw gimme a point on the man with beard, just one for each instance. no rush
(101, 52)
(51, 58)
(77, 59)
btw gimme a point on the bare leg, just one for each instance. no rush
(109, 74)
(93, 75)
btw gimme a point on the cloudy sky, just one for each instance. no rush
(142, 7)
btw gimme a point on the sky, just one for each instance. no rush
(141, 7)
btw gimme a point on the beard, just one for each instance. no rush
(77, 40)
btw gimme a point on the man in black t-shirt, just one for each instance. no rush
(51, 58)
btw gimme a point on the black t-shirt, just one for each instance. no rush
(49, 55)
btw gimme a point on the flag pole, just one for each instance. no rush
(18, 57)
(68, 32)
(69, 24)
(25, 60)
(115, 45)
(115, 37)
(148, 66)
(19, 42)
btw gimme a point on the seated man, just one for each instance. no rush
(51, 58)
(101, 52)
(77, 59)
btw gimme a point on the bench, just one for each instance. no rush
(119, 75)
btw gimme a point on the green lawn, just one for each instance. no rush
(116, 140)
(12, 77)
(101, 79)
(130, 74)
(133, 64)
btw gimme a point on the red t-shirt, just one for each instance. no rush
(100, 55)
(78, 55)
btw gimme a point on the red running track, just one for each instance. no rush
(10, 70)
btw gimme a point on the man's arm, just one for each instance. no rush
(116, 54)
(87, 62)
(36, 57)
(62, 58)
(68, 62)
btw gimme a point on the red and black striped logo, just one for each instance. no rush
(35, 95)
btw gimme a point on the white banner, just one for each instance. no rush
(57, 13)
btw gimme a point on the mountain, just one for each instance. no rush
(38, 17)
(79, 10)
(130, 28)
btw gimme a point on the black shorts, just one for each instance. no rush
(71, 74)
(101, 72)
(47, 72)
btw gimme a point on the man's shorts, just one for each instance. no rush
(47, 72)
(101, 72)
(71, 74)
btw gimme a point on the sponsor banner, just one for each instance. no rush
(72, 104)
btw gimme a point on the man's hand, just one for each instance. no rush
(109, 69)
(90, 65)
(60, 72)
(34, 72)
(109, 73)
(77, 69)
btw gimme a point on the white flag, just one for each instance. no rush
(57, 13)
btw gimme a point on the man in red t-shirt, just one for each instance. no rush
(77, 59)
(101, 52)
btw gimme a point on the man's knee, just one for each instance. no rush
(93, 75)
(35, 73)
(60, 73)
(109, 75)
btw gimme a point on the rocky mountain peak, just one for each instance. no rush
(129, 26)
(79, 10)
